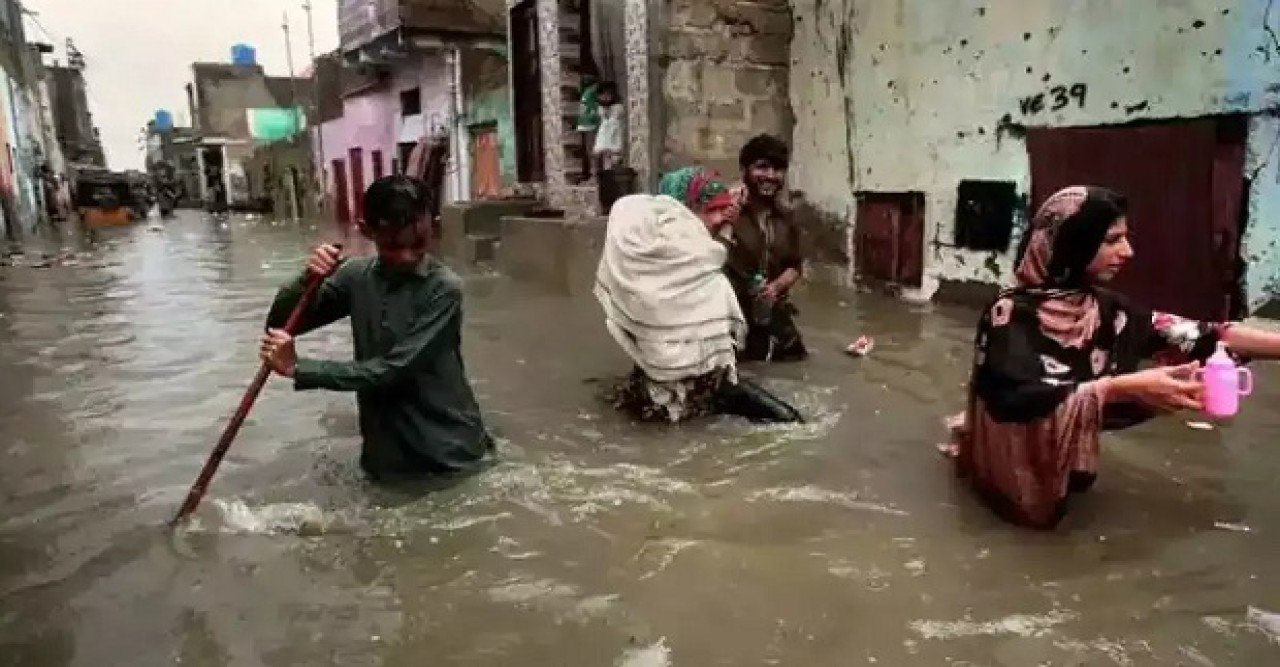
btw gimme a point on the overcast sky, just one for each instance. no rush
(139, 52)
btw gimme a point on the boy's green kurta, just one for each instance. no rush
(418, 413)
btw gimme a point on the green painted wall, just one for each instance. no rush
(488, 100)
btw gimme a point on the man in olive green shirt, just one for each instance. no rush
(418, 414)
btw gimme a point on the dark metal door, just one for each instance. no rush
(1184, 181)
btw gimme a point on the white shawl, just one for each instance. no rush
(666, 300)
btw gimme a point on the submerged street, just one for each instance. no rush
(594, 541)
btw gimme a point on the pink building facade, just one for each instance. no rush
(379, 125)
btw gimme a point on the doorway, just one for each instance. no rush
(486, 162)
(356, 158)
(527, 92)
(341, 195)
(889, 238)
(1185, 184)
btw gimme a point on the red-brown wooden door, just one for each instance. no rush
(341, 195)
(1184, 181)
(356, 158)
(889, 237)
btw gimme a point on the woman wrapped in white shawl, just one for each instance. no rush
(670, 307)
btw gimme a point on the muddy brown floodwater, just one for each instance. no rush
(594, 541)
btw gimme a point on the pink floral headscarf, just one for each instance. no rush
(1070, 316)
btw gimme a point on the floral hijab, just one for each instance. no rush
(698, 188)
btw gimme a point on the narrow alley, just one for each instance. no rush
(593, 542)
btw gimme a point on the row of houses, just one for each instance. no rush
(923, 133)
(47, 131)
(241, 121)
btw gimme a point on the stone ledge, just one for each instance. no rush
(560, 253)
(461, 222)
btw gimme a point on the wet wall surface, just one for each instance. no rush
(594, 541)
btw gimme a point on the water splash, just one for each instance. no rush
(306, 519)
(814, 494)
(654, 655)
(1020, 625)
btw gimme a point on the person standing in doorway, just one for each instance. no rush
(608, 144)
(764, 258)
(418, 414)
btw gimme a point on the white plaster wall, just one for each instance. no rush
(430, 74)
(908, 95)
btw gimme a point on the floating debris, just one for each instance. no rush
(860, 347)
(1200, 426)
(1233, 527)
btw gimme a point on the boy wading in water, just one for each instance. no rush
(418, 414)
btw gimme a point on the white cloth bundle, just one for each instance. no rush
(666, 300)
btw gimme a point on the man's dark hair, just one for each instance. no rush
(396, 202)
(766, 148)
(607, 87)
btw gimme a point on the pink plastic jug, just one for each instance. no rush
(1224, 383)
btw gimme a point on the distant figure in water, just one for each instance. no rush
(418, 414)
(669, 305)
(1056, 362)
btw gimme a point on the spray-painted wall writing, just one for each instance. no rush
(1056, 98)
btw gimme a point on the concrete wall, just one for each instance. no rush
(276, 161)
(725, 80)
(224, 93)
(909, 95)
(430, 74)
(18, 117)
(70, 103)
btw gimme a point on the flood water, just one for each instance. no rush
(594, 541)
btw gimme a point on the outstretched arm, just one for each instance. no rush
(1252, 342)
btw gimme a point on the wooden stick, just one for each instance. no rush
(196, 494)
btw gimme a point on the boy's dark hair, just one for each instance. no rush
(396, 202)
(607, 87)
(767, 148)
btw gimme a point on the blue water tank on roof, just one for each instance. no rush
(163, 120)
(244, 54)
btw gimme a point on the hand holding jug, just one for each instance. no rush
(1224, 383)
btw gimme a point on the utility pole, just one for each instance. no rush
(293, 94)
(319, 170)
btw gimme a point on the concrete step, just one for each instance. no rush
(482, 249)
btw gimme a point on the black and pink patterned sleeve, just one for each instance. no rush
(1178, 340)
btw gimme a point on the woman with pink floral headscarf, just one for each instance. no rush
(1056, 362)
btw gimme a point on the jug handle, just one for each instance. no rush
(1246, 381)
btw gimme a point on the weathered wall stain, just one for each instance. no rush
(919, 95)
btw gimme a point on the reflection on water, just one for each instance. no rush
(593, 541)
